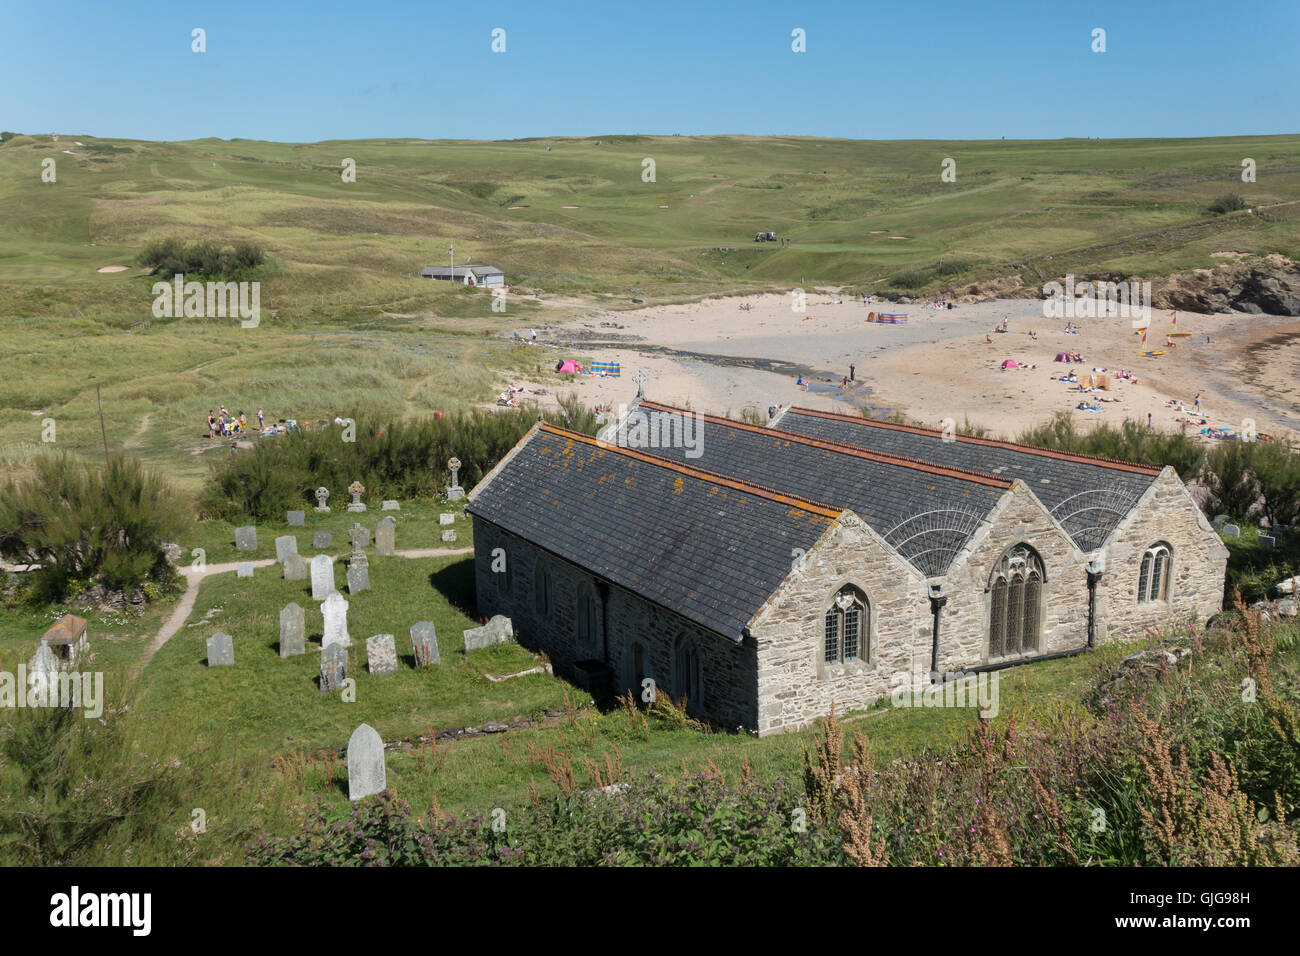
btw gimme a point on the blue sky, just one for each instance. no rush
(299, 71)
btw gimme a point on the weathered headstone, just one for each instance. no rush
(1267, 541)
(285, 546)
(498, 630)
(1230, 531)
(424, 641)
(449, 534)
(322, 539)
(356, 490)
(360, 537)
(358, 577)
(295, 568)
(446, 517)
(322, 496)
(42, 675)
(333, 668)
(244, 569)
(322, 577)
(366, 772)
(386, 537)
(454, 491)
(293, 631)
(390, 505)
(297, 519)
(335, 611)
(381, 654)
(221, 650)
(246, 538)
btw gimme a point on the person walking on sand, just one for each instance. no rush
(852, 369)
(1198, 403)
(1150, 423)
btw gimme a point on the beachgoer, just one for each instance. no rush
(1198, 403)
(259, 418)
(1150, 423)
(852, 370)
(212, 425)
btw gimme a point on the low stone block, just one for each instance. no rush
(297, 519)
(321, 539)
(498, 630)
(244, 569)
(449, 535)
(446, 517)
(390, 506)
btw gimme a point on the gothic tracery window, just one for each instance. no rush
(1015, 593)
(846, 630)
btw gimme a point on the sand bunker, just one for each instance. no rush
(112, 268)
(570, 207)
(517, 207)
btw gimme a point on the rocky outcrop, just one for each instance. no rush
(1267, 286)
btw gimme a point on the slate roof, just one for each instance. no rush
(707, 548)
(927, 512)
(1089, 496)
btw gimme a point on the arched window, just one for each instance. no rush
(847, 627)
(1153, 577)
(587, 620)
(636, 668)
(542, 587)
(687, 679)
(1015, 602)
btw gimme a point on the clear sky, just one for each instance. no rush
(873, 69)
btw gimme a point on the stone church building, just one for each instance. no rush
(762, 572)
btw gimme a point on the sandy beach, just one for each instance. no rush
(716, 355)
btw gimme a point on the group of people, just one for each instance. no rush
(531, 340)
(224, 425)
(507, 398)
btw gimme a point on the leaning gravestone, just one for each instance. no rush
(333, 668)
(322, 577)
(449, 535)
(295, 568)
(322, 539)
(1231, 531)
(424, 641)
(293, 631)
(335, 612)
(446, 517)
(358, 577)
(246, 538)
(221, 650)
(381, 654)
(366, 773)
(498, 630)
(285, 546)
(244, 569)
(297, 519)
(386, 537)
(390, 506)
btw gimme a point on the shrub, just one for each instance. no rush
(167, 257)
(82, 522)
(1227, 203)
(1130, 441)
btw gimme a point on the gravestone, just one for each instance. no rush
(1231, 531)
(285, 547)
(381, 654)
(454, 491)
(41, 689)
(390, 506)
(366, 772)
(424, 641)
(1219, 521)
(358, 577)
(322, 539)
(386, 537)
(322, 496)
(244, 569)
(335, 611)
(295, 568)
(333, 668)
(360, 537)
(1267, 541)
(449, 535)
(297, 519)
(356, 490)
(246, 538)
(498, 630)
(322, 577)
(446, 517)
(221, 650)
(293, 631)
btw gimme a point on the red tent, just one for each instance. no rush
(570, 366)
(1010, 364)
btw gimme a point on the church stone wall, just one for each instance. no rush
(728, 672)
(1166, 514)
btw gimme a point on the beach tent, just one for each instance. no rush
(1063, 357)
(569, 366)
(1010, 364)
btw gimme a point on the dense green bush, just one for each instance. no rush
(405, 459)
(168, 257)
(89, 523)
(648, 822)
(1130, 441)
(1227, 203)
